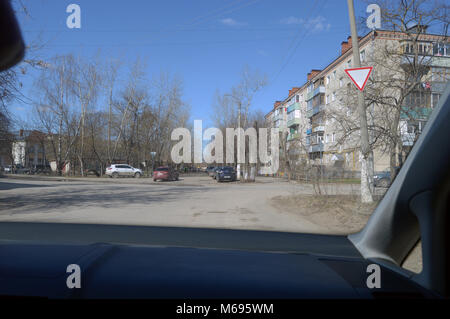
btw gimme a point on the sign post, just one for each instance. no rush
(367, 155)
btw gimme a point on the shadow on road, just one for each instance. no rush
(8, 186)
(105, 197)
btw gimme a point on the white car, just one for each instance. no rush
(116, 170)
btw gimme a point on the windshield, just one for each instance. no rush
(315, 131)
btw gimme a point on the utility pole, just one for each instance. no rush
(238, 166)
(366, 194)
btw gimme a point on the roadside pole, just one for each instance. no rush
(366, 194)
(238, 149)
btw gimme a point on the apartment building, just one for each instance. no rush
(28, 148)
(327, 101)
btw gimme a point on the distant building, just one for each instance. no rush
(28, 148)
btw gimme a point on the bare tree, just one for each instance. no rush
(54, 111)
(86, 86)
(234, 110)
(402, 66)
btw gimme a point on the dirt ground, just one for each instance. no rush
(341, 214)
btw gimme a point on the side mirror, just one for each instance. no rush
(12, 47)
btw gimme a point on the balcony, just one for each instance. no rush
(293, 136)
(313, 93)
(415, 113)
(293, 107)
(319, 128)
(408, 139)
(280, 116)
(316, 148)
(440, 61)
(310, 112)
(293, 121)
(408, 59)
(438, 87)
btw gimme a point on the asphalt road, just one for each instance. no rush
(196, 201)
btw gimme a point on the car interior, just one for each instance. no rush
(178, 262)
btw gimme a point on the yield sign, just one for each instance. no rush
(359, 76)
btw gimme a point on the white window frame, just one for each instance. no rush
(362, 55)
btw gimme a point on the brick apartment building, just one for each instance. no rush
(312, 114)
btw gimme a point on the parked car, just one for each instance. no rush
(20, 169)
(226, 173)
(382, 179)
(91, 171)
(216, 169)
(41, 169)
(165, 173)
(7, 169)
(210, 170)
(117, 170)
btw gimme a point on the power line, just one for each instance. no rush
(298, 43)
(174, 43)
(217, 11)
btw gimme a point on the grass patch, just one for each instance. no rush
(341, 214)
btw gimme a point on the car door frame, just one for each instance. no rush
(416, 207)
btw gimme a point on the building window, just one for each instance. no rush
(440, 74)
(297, 98)
(333, 137)
(333, 96)
(408, 48)
(334, 75)
(349, 63)
(362, 56)
(327, 99)
(441, 49)
(435, 99)
(341, 82)
(327, 137)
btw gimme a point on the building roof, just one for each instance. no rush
(362, 42)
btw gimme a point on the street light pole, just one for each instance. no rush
(238, 157)
(366, 194)
(238, 166)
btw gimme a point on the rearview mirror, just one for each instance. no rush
(12, 48)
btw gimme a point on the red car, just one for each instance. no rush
(165, 173)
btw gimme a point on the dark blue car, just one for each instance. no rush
(226, 173)
(382, 179)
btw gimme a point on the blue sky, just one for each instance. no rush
(205, 42)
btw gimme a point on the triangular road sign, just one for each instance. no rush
(359, 76)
